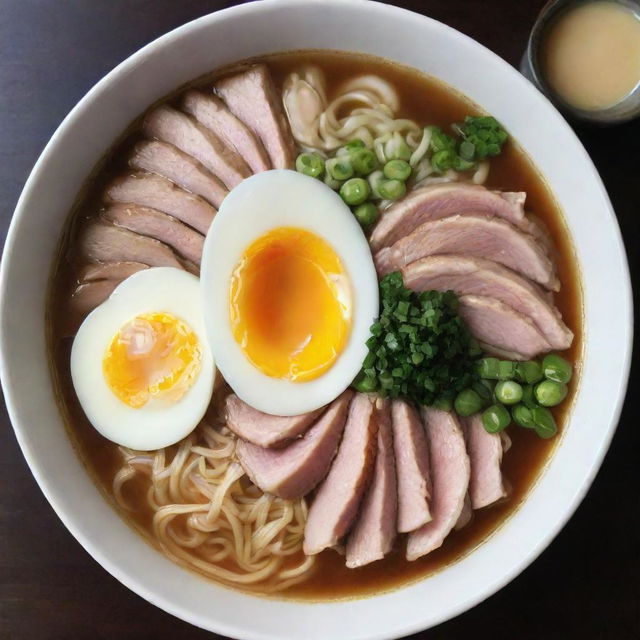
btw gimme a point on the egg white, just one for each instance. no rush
(268, 200)
(157, 424)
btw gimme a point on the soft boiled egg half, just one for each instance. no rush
(140, 363)
(289, 292)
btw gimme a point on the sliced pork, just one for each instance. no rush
(494, 323)
(450, 469)
(373, 534)
(440, 201)
(109, 271)
(384, 261)
(103, 242)
(168, 161)
(467, 275)
(412, 466)
(336, 503)
(211, 112)
(86, 297)
(182, 131)
(155, 224)
(156, 192)
(293, 471)
(252, 97)
(83, 300)
(263, 429)
(485, 453)
(479, 237)
(465, 515)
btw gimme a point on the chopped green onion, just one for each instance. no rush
(529, 372)
(556, 368)
(508, 392)
(460, 164)
(443, 160)
(444, 404)
(467, 150)
(332, 182)
(506, 370)
(549, 393)
(419, 346)
(467, 403)
(485, 390)
(440, 141)
(366, 213)
(340, 168)
(528, 397)
(392, 189)
(397, 170)
(495, 418)
(544, 422)
(355, 191)
(363, 161)
(397, 149)
(311, 164)
(365, 383)
(484, 133)
(354, 144)
(488, 368)
(522, 416)
(474, 348)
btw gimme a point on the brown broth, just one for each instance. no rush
(427, 101)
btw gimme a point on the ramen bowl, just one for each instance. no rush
(81, 141)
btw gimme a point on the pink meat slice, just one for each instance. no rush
(86, 297)
(252, 97)
(465, 515)
(373, 534)
(168, 161)
(384, 261)
(412, 466)
(182, 131)
(293, 471)
(263, 429)
(211, 112)
(109, 271)
(450, 471)
(156, 192)
(478, 237)
(336, 503)
(485, 453)
(467, 275)
(155, 224)
(440, 201)
(496, 324)
(101, 241)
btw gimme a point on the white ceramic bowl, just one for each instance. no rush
(186, 53)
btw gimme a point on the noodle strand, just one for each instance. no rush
(208, 516)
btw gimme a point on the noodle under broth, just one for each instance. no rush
(208, 516)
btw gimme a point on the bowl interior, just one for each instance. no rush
(197, 48)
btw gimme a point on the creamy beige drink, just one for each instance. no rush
(591, 54)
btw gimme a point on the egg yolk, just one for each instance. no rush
(155, 355)
(290, 304)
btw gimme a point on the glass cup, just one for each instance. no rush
(532, 68)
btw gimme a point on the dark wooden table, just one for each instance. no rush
(585, 585)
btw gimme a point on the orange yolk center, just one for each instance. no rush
(155, 355)
(290, 304)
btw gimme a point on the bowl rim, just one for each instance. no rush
(12, 394)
